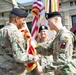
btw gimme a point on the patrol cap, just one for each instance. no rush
(19, 12)
(43, 27)
(52, 14)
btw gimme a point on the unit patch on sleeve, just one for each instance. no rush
(63, 45)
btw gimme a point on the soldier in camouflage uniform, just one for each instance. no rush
(61, 47)
(13, 54)
(43, 30)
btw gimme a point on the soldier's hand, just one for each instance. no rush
(39, 68)
(37, 58)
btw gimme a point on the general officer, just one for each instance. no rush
(13, 49)
(62, 46)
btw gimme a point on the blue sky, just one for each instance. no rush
(23, 1)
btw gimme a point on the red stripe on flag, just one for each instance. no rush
(36, 37)
(34, 20)
(37, 4)
(34, 30)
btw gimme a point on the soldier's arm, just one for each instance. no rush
(65, 54)
(44, 48)
(66, 48)
(19, 52)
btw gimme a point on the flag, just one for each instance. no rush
(52, 5)
(30, 48)
(36, 10)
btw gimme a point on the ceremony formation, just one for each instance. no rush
(46, 46)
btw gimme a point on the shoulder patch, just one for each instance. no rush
(63, 45)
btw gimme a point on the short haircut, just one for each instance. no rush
(12, 15)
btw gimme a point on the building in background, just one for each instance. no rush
(5, 7)
(67, 10)
(28, 8)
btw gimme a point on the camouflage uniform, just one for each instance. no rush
(13, 54)
(62, 47)
(45, 61)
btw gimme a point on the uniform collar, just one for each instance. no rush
(61, 30)
(13, 25)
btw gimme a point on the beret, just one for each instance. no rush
(52, 14)
(19, 12)
(43, 27)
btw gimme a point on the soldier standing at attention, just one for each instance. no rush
(13, 49)
(62, 46)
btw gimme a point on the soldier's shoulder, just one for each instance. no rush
(66, 34)
(65, 31)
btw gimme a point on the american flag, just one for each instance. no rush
(36, 10)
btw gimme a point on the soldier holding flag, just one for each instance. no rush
(13, 48)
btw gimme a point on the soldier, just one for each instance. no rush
(43, 30)
(13, 49)
(62, 46)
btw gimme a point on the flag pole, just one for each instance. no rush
(15, 5)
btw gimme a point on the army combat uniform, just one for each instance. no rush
(62, 47)
(45, 61)
(13, 53)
